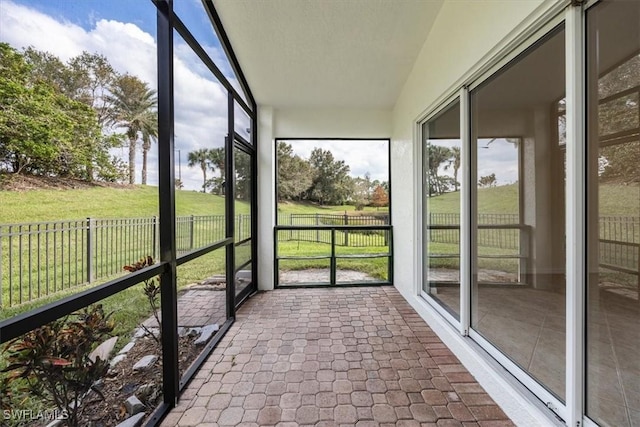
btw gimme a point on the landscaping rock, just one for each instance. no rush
(182, 331)
(103, 351)
(145, 363)
(133, 421)
(147, 392)
(139, 333)
(127, 348)
(133, 405)
(206, 333)
(119, 358)
(193, 332)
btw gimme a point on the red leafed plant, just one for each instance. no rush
(53, 361)
(152, 292)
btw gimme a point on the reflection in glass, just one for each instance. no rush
(518, 286)
(613, 213)
(441, 202)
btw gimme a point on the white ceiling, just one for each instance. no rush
(327, 53)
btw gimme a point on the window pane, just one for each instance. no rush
(518, 294)
(613, 214)
(196, 18)
(241, 122)
(200, 130)
(441, 198)
(243, 189)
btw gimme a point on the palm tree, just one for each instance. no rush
(455, 162)
(437, 155)
(217, 160)
(149, 134)
(200, 158)
(133, 107)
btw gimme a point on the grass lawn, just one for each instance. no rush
(311, 208)
(375, 266)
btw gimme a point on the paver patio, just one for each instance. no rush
(333, 357)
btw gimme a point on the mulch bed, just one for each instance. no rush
(123, 382)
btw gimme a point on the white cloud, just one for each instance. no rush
(200, 101)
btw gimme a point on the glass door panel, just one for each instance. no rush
(243, 244)
(613, 214)
(518, 283)
(441, 203)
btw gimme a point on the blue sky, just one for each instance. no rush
(124, 31)
(86, 12)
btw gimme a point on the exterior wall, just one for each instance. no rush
(465, 37)
(301, 123)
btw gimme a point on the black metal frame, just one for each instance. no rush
(333, 257)
(334, 139)
(166, 267)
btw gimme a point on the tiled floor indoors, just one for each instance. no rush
(333, 357)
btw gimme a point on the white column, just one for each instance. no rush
(466, 181)
(266, 197)
(575, 216)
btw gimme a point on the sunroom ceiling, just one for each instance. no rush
(327, 53)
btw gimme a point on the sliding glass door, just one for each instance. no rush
(613, 213)
(518, 258)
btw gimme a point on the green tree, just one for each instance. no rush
(454, 162)
(295, 174)
(331, 183)
(242, 163)
(132, 106)
(437, 155)
(42, 131)
(86, 78)
(200, 158)
(361, 191)
(487, 181)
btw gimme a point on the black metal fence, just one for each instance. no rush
(352, 237)
(619, 237)
(503, 238)
(333, 259)
(619, 246)
(42, 258)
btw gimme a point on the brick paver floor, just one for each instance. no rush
(333, 357)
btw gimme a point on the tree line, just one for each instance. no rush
(62, 119)
(325, 180)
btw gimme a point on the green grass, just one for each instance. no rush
(312, 208)
(375, 267)
(98, 202)
(614, 199)
(502, 199)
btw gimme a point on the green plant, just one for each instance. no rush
(52, 362)
(151, 290)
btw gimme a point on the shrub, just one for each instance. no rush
(53, 361)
